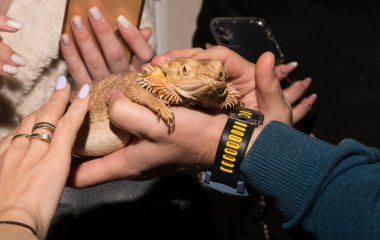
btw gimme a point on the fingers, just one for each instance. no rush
(236, 65)
(123, 114)
(283, 70)
(9, 61)
(50, 113)
(296, 90)
(89, 51)
(18, 145)
(8, 24)
(87, 62)
(157, 60)
(111, 46)
(108, 168)
(137, 62)
(269, 93)
(74, 62)
(302, 108)
(68, 126)
(135, 39)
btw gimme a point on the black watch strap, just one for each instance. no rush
(230, 153)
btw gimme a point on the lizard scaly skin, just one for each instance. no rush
(186, 82)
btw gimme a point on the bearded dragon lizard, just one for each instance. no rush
(186, 82)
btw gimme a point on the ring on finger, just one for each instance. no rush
(20, 135)
(44, 125)
(45, 137)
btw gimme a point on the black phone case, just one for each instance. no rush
(248, 36)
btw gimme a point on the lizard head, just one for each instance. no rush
(191, 82)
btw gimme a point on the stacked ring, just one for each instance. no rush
(20, 135)
(44, 125)
(41, 136)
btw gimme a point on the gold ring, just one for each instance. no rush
(41, 136)
(44, 125)
(20, 135)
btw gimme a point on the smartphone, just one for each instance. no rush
(111, 9)
(248, 36)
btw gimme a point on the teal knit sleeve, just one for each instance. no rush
(332, 192)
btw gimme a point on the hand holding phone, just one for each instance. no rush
(111, 9)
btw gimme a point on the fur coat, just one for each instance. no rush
(38, 43)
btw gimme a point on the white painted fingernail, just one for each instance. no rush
(10, 69)
(17, 59)
(14, 24)
(61, 82)
(65, 39)
(78, 24)
(294, 64)
(123, 22)
(84, 90)
(95, 13)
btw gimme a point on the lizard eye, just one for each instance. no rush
(221, 91)
(185, 69)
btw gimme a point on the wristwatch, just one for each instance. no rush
(224, 176)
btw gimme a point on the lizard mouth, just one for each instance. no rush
(157, 73)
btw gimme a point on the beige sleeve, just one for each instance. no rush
(14, 232)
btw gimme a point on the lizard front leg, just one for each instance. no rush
(145, 98)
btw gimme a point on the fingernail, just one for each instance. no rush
(10, 69)
(84, 90)
(61, 82)
(95, 13)
(294, 64)
(306, 82)
(78, 24)
(17, 59)
(14, 24)
(123, 22)
(314, 96)
(311, 101)
(65, 39)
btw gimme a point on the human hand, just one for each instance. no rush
(86, 62)
(9, 59)
(33, 172)
(295, 92)
(155, 152)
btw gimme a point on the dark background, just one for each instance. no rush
(336, 43)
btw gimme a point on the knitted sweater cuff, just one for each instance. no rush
(278, 167)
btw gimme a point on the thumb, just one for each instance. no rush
(129, 116)
(270, 98)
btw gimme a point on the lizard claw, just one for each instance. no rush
(170, 123)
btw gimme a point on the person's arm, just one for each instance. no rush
(15, 232)
(35, 163)
(331, 191)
